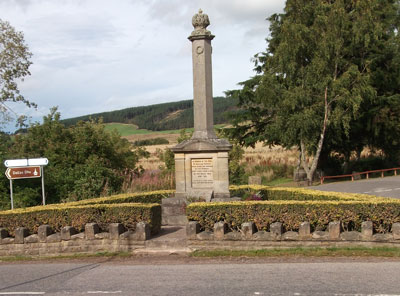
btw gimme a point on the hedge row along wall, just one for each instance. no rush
(266, 192)
(282, 193)
(137, 197)
(383, 213)
(59, 216)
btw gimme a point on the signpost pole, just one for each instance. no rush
(11, 194)
(23, 169)
(43, 195)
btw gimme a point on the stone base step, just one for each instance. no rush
(166, 244)
(170, 240)
(173, 201)
(174, 220)
(173, 211)
(161, 252)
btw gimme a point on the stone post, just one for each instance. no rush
(334, 230)
(396, 230)
(305, 230)
(220, 228)
(20, 234)
(367, 229)
(43, 232)
(192, 229)
(276, 229)
(142, 231)
(91, 229)
(115, 229)
(248, 229)
(67, 232)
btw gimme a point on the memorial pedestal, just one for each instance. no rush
(201, 169)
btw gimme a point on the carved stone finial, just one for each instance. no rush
(200, 22)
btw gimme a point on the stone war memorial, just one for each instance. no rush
(201, 163)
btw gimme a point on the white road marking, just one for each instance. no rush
(382, 190)
(22, 293)
(104, 292)
(366, 294)
(299, 294)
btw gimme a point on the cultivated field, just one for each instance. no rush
(271, 163)
(258, 156)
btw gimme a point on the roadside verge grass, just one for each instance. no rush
(304, 252)
(72, 256)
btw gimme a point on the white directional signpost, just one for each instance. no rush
(24, 169)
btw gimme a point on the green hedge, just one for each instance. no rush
(77, 216)
(137, 197)
(283, 193)
(291, 213)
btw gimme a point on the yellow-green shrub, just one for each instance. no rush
(77, 216)
(282, 193)
(137, 197)
(291, 213)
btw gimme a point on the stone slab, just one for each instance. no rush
(174, 220)
(290, 235)
(264, 235)
(351, 236)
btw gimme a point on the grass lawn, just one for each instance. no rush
(131, 129)
(122, 129)
(305, 252)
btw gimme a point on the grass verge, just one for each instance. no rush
(72, 256)
(305, 252)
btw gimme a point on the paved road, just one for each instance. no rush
(222, 278)
(386, 187)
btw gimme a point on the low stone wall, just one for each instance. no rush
(68, 241)
(248, 238)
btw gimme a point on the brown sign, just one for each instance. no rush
(23, 172)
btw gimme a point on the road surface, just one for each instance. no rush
(348, 277)
(386, 187)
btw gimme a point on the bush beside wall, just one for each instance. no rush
(383, 213)
(59, 216)
(137, 197)
(282, 193)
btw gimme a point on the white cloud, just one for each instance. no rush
(101, 55)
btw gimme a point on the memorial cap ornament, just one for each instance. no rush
(200, 22)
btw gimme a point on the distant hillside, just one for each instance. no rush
(167, 116)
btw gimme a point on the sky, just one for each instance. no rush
(92, 56)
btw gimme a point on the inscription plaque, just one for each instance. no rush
(202, 173)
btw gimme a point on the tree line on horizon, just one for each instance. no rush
(159, 117)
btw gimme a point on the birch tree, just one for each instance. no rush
(315, 74)
(14, 66)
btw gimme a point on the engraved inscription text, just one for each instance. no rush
(202, 173)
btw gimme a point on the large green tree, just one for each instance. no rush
(85, 161)
(14, 66)
(318, 74)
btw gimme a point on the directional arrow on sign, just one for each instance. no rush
(23, 172)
